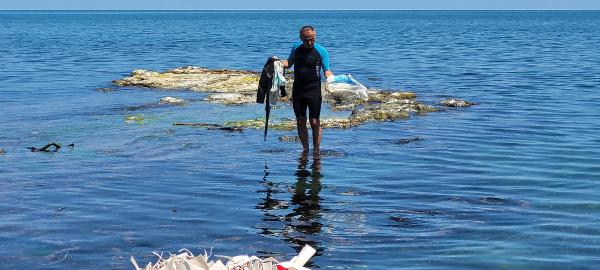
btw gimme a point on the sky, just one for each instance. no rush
(296, 4)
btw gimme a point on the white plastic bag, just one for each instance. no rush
(345, 87)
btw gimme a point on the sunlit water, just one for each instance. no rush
(513, 183)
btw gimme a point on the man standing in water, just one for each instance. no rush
(308, 58)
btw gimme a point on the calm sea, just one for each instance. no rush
(513, 183)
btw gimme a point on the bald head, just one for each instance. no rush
(308, 36)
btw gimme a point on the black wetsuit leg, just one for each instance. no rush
(307, 96)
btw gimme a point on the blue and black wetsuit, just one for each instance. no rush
(308, 63)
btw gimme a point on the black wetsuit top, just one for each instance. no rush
(307, 64)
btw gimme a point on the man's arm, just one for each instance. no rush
(285, 63)
(328, 74)
(325, 62)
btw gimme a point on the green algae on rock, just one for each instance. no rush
(134, 119)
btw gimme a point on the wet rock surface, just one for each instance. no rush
(236, 87)
(230, 98)
(457, 103)
(197, 79)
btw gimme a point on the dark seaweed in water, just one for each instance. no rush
(211, 126)
(493, 200)
(408, 140)
(46, 148)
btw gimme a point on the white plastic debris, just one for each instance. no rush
(185, 260)
(345, 87)
(171, 100)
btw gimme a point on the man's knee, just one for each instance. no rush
(314, 122)
(301, 121)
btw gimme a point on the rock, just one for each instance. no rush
(231, 98)
(452, 102)
(171, 100)
(105, 89)
(2, 152)
(194, 78)
(390, 97)
(235, 87)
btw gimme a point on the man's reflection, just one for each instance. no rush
(302, 224)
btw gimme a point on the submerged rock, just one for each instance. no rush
(105, 89)
(171, 100)
(230, 98)
(408, 140)
(452, 102)
(289, 139)
(134, 119)
(210, 126)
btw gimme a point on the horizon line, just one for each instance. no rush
(299, 9)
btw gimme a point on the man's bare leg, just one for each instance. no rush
(317, 131)
(302, 133)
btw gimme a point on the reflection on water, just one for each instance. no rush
(297, 221)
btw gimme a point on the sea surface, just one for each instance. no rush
(511, 183)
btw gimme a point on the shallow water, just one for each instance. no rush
(511, 183)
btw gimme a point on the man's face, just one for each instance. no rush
(308, 38)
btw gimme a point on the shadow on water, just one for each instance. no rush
(297, 221)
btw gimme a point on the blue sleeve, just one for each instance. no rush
(324, 57)
(291, 58)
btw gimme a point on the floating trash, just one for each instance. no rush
(345, 87)
(186, 260)
(171, 100)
